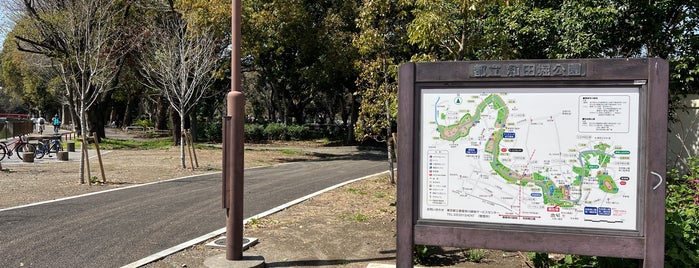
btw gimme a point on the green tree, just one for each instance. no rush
(295, 47)
(452, 29)
(29, 80)
(382, 43)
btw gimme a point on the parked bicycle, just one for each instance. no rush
(16, 147)
(54, 146)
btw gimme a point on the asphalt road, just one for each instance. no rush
(116, 228)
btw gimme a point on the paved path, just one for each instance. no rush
(111, 229)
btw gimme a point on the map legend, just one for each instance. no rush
(437, 178)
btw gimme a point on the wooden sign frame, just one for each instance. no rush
(645, 243)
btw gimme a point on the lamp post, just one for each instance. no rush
(233, 146)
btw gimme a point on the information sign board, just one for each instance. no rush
(564, 157)
(502, 154)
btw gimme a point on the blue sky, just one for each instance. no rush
(5, 23)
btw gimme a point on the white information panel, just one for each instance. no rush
(565, 157)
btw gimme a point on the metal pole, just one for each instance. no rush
(234, 148)
(234, 166)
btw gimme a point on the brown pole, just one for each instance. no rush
(234, 220)
(190, 141)
(233, 162)
(99, 156)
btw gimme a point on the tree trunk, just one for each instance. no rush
(182, 141)
(113, 117)
(296, 113)
(176, 131)
(84, 159)
(192, 126)
(354, 104)
(73, 115)
(389, 145)
(96, 117)
(131, 105)
(161, 113)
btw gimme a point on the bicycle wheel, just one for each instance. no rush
(25, 148)
(40, 150)
(55, 147)
(3, 151)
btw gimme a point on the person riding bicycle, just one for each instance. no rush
(56, 123)
(40, 124)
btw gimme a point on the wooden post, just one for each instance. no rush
(189, 150)
(99, 156)
(86, 158)
(190, 139)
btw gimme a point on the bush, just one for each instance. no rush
(298, 132)
(254, 132)
(542, 260)
(145, 123)
(214, 131)
(422, 254)
(275, 131)
(681, 221)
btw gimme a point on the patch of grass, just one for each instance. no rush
(475, 255)
(358, 217)
(110, 144)
(254, 222)
(7, 170)
(291, 152)
(95, 180)
(379, 194)
(357, 191)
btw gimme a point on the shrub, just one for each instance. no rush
(422, 254)
(298, 132)
(254, 132)
(214, 131)
(681, 221)
(475, 255)
(143, 123)
(275, 131)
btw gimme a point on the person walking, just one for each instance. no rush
(56, 123)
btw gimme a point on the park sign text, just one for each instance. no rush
(558, 156)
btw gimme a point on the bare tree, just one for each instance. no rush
(179, 64)
(82, 38)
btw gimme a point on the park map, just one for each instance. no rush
(564, 157)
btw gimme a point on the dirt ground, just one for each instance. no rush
(351, 226)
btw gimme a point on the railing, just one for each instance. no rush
(12, 127)
(4, 131)
(26, 116)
